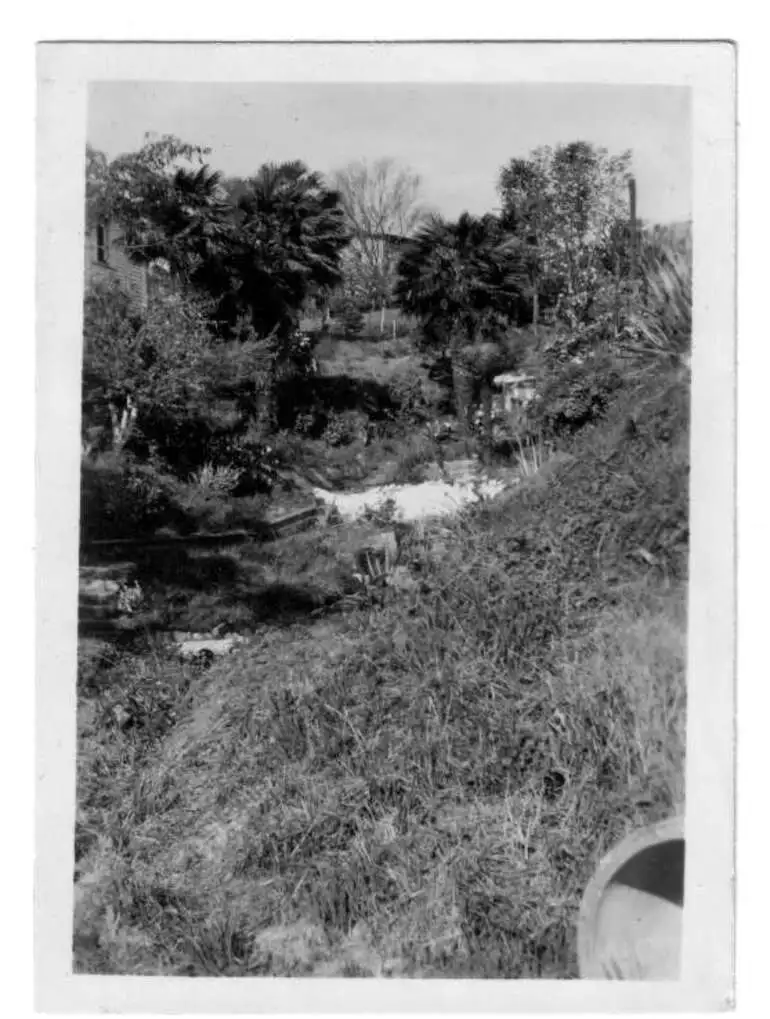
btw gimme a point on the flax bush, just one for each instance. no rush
(659, 327)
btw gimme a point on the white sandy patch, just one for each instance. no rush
(411, 502)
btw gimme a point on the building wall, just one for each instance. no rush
(110, 262)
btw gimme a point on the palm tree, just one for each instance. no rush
(197, 222)
(165, 211)
(190, 227)
(463, 281)
(290, 232)
(166, 214)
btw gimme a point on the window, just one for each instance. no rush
(101, 243)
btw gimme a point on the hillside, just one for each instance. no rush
(420, 787)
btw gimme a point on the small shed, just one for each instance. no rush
(517, 390)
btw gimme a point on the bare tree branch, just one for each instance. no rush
(382, 205)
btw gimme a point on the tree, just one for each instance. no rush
(351, 317)
(190, 226)
(523, 189)
(170, 207)
(290, 232)
(137, 188)
(257, 248)
(137, 365)
(569, 205)
(588, 200)
(463, 280)
(98, 184)
(382, 206)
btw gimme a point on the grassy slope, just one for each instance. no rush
(421, 791)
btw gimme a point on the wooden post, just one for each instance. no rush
(634, 231)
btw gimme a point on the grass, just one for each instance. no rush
(420, 789)
(381, 801)
(530, 456)
(381, 361)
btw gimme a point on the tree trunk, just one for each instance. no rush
(617, 312)
(535, 309)
(462, 382)
(271, 352)
(265, 384)
(382, 319)
(122, 423)
(486, 406)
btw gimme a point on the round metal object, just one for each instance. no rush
(630, 925)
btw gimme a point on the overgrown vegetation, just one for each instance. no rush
(409, 781)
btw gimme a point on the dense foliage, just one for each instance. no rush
(569, 208)
(290, 232)
(395, 781)
(463, 280)
(258, 247)
(140, 367)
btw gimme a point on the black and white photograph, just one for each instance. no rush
(382, 420)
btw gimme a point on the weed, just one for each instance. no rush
(531, 455)
(216, 481)
(421, 789)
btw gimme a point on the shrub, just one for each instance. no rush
(416, 397)
(298, 355)
(216, 482)
(351, 319)
(573, 396)
(310, 422)
(249, 455)
(145, 695)
(407, 393)
(418, 451)
(344, 428)
(139, 368)
(659, 327)
(122, 497)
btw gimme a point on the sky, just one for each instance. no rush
(456, 136)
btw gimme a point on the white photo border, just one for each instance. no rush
(64, 71)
